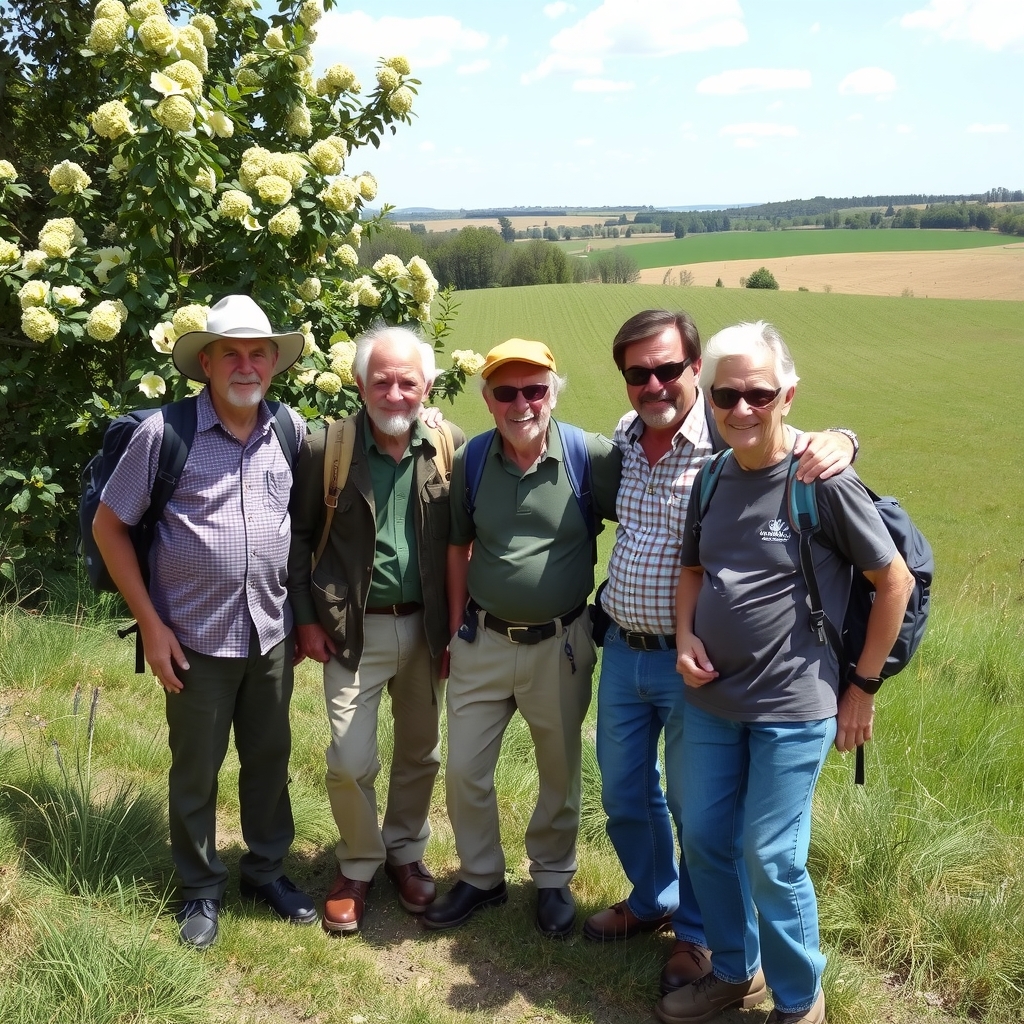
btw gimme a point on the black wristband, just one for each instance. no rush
(869, 684)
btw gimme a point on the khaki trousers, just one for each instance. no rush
(549, 684)
(395, 654)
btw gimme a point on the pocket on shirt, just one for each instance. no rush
(437, 510)
(279, 486)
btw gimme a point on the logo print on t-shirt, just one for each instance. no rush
(775, 530)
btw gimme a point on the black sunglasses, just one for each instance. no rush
(638, 376)
(756, 398)
(532, 392)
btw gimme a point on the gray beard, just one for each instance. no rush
(395, 424)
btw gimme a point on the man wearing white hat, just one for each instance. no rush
(214, 620)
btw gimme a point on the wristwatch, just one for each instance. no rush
(869, 684)
(846, 432)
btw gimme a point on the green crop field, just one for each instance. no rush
(920, 380)
(755, 245)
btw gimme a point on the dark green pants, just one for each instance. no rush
(252, 695)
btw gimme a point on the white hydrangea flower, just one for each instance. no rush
(207, 26)
(59, 237)
(163, 337)
(255, 163)
(346, 256)
(205, 179)
(34, 260)
(298, 123)
(222, 125)
(340, 195)
(142, 9)
(176, 114)
(7, 171)
(68, 296)
(305, 377)
(468, 361)
(272, 188)
(274, 39)
(327, 382)
(112, 120)
(388, 78)
(33, 293)
(189, 318)
(296, 306)
(400, 101)
(308, 341)
(389, 266)
(311, 12)
(105, 35)
(400, 64)
(367, 185)
(290, 166)
(68, 177)
(285, 222)
(418, 269)
(114, 10)
(9, 253)
(326, 158)
(152, 385)
(239, 8)
(157, 34)
(342, 355)
(234, 204)
(364, 293)
(105, 321)
(188, 76)
(309, 290)
(355, 236)
(338, 78)
(39, 324)
(190, 46)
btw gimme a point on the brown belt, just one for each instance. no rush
(396, 609)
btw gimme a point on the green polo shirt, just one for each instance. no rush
(532, 559)
(396, 575)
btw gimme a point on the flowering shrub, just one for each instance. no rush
(199, 157)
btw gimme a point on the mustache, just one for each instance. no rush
(246, 379)
(661, 396)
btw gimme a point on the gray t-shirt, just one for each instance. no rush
(753, 607)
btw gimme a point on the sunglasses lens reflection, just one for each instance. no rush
(532, 392)
(638, 376)
(756, 398)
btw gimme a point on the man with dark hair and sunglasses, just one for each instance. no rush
(520, 569)
(664, 441)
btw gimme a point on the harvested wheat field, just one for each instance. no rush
(991, 273)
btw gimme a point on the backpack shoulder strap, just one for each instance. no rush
(339, 444)
(476, 457)
(577, 467)
(284, 427)
(802, 510)
(444, 449)
(179, 432)
(705, 484)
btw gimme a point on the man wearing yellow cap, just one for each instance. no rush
(520, 568)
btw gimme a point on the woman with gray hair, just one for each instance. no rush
(763, 701)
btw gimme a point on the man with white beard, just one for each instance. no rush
(379, 619)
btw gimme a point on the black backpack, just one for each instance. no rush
(848, 642)
(179, 431)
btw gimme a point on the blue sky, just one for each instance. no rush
(690, 102)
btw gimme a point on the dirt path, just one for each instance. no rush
(990, 273)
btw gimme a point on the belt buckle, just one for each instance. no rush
(524, 630)
(636, 641)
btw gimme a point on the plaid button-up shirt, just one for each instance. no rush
(644, 567)
(219, 559)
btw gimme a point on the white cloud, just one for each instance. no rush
(868, 82)
(601, 85)
(648, 28)
(777, 105)
(746, 80)
(988, 129)
(563, 63)
(994, 24)
(427, 147)
(427, 42)
(557, 9)
(745, 142)
(474, 67)
(760, 129)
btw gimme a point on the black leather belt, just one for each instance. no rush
(396, 609)
(527, 633)
(636, 641)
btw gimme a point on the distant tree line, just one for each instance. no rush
(479, 258)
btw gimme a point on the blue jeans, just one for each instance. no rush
(639, 694)
(746, 832)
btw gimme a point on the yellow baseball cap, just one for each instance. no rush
(518, 350)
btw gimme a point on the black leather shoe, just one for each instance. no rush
(556, 912)
(461, 902)
(284, 898)
(197, 923)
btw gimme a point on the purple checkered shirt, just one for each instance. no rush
(644, 567)
(219, 560)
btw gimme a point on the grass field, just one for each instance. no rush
(920, 876)
(921, 382)
(741, 245)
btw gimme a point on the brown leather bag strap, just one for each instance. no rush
(339, 445)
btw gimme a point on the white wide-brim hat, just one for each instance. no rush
(235, 316)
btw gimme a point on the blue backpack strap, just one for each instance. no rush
(577, 468)
(284, 427)
(476, 455)
(705, 484)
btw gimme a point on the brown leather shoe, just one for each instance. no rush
(687, 963)
(415, 884)
(345, 903)
(619, 922)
